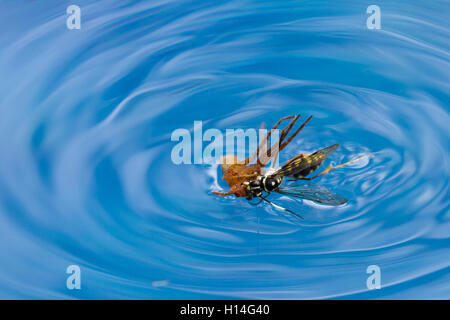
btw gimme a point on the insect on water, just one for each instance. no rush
(254, 180)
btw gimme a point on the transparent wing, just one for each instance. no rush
(314, 193)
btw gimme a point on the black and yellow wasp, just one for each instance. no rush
(250, 180)
(298, 168)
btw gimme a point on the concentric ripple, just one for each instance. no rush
(86, 175)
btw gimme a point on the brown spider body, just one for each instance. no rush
(238, 175)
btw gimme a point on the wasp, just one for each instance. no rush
(254, 180)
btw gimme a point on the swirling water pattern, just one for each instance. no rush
(86, 176)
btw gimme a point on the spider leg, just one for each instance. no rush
(264, 141)
(274, 154)
(223, 193)
(295, 133)
(283, 135)
(282, 143)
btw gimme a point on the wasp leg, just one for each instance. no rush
(281, 208)
(334, 167)
(261, 198)
(255, 203)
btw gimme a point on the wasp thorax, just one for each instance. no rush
(255, 188)
(270, 183)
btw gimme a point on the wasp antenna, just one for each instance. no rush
(335, 167)
(282, 208)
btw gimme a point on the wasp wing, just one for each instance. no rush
(314, 193)
(305, 164)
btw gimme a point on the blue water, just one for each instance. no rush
(86, 176)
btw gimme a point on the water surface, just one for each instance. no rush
(86, 176)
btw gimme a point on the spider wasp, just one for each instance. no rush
(251, 180)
